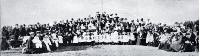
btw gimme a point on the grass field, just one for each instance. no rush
(103, 50)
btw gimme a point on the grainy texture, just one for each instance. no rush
(104, 50)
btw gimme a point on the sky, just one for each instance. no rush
(46, 11)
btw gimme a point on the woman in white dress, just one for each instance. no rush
(55, 39)
(36, 40)
(95, 36)
(149, 39)
(60, 39)
(47, 41)
(78, 36)
(163, 40)
(83, 39)
(115, 37)
(101, 38)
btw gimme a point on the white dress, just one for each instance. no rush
(83, 38)
(126, 38)
(95, 37)
(38, 43)
(132, 37)
(101, 39)
(55, 39)
(106, 38)
(149, 38)
(60, 39)
(109, 38)
(115, 37)
(83, 27)
(47, 42)
(87, 38)
(75, 39)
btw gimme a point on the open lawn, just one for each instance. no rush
(103, 50)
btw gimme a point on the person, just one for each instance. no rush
(4, 42)
(47, 40)
(188, 43)
(116, 18)
(60, 39)
(36, 40)
(15, 32)
(55, 39)
(115, 35)
(139, 35)
(164, 41)
(142, 22)
(29, 45)
(106, 28)
(39, 45)
(149, 39)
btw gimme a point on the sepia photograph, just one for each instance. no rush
(99, 27)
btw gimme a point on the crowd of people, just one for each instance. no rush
(102, 29)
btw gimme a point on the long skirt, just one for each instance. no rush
(60, 39)
(4, 44)
(106, 38)
(75, 39)
(115, 38)
(101, 39)
(47, 43)
(149, 38)
(96, 38)
(132, 37)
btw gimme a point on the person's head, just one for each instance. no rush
(148, 20)
(21, 26)
(111, 14)
(4, 28)
(31, 26)
(125, 18)
(72, 19)
(32, 34)
(104, 12)
(132, 21)
(16, 25)
(45, 25)
(137, 20)
(116, 14)
(24, 25)
(141, 19)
